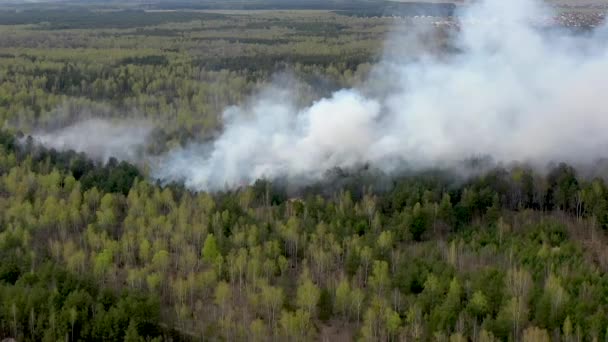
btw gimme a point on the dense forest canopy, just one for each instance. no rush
(98, 253)
(100, 250)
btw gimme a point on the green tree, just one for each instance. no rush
(258, 330)
(223, 296)
(272, 300)
(567, 329)
(308, 294)
(325, 305)
(418, 223)
(343, 297)
(296, 325)
(478, 305)
(445, 211)
(131, 335)
(210, 251)
(379, 280)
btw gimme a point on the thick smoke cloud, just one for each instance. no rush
(512, 90)
(100, 139)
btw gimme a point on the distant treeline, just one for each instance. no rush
(78, 18)
(406, 9)
(356, 8)
(84, 18)
(278, 62)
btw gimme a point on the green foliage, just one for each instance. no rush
(478, 305)
(419, 222)
(131, 335)
(210, 250)
(325, 305)
(65, 304)
(93, 251)
(308, 294)
(86, 19)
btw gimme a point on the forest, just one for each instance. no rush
(98, 250)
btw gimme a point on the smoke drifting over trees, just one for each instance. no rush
(513, 91)
(100, 139)
(382, 216)
(508, 89)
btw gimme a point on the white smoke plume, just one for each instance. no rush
(100, 139)
(513, 90)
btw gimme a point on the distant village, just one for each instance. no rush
(575, 20)
(580, 19)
